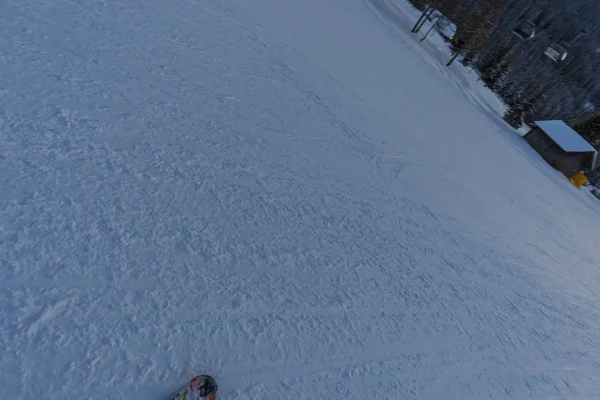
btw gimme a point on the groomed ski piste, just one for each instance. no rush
(295, 197)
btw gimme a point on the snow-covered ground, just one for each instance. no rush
(294, 196)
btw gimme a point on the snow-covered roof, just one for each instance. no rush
(564, 136)
(568, 139)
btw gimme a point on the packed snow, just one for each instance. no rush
(293, 196)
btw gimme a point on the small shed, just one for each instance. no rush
(562, 147)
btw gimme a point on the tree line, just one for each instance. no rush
(509, 42)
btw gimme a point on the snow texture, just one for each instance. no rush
(565, 137)
(295, 197)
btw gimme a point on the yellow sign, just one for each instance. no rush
(578, 180)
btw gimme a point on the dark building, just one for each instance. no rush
(562, 147)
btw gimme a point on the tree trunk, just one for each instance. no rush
(452, 59)
(414, 29)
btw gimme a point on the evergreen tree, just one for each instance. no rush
(533, 85)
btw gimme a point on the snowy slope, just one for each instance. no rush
(291, 196)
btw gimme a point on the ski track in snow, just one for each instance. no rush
(293, 197)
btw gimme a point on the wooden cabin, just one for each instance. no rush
(562, 147)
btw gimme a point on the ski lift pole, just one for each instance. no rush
(431, 29)
(425, 17)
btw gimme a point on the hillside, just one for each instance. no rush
(295, 197)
